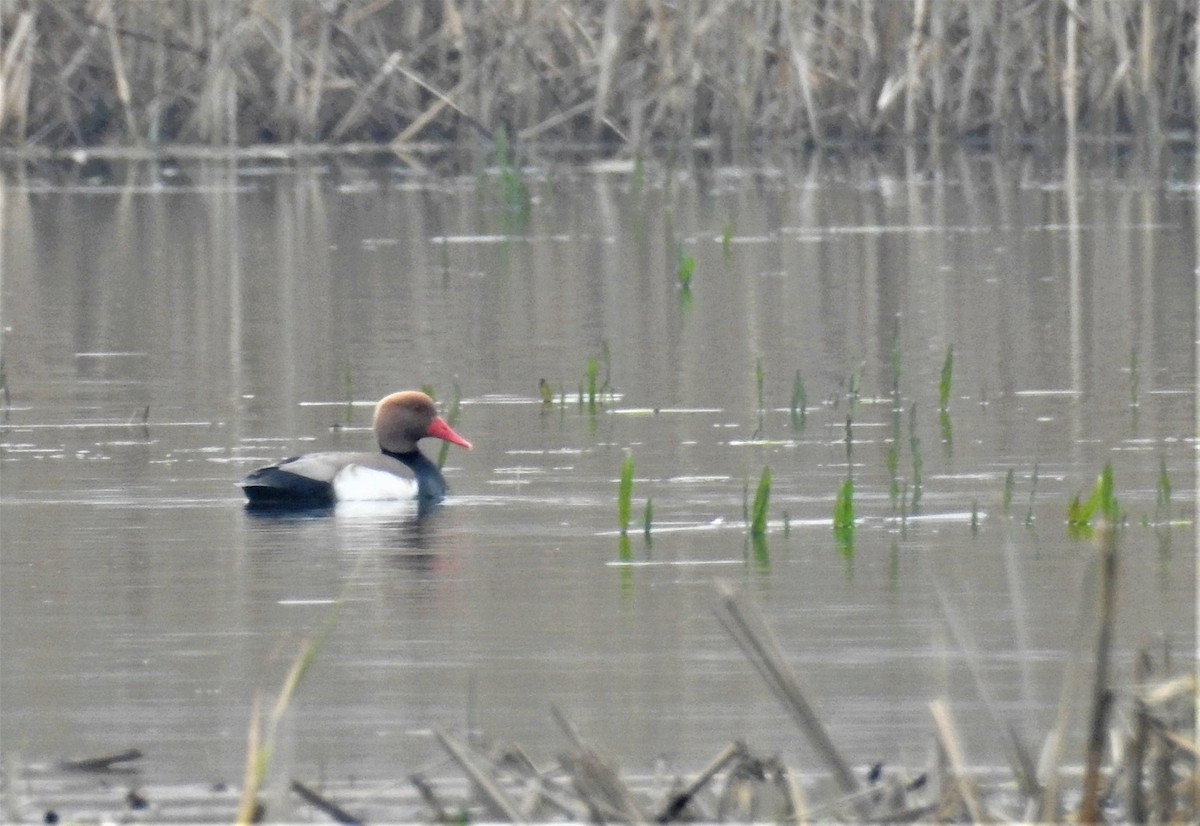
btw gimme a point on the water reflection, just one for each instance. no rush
(175, 325)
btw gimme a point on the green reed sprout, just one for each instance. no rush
(625, 492)
(843, 506)
(762, 497)
(685, 266)
(799, 408)
(944, 381)
(1101, 502)
(1162, 492)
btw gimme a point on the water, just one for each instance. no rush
(168, 327)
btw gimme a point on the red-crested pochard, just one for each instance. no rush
(398, 471)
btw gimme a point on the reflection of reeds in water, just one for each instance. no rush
(633, 72)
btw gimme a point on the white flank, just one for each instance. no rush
(355, 483)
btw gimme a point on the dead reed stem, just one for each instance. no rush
(745, 624)
(498, 799)
(947, 737)
(1089, 809)
(229, 73)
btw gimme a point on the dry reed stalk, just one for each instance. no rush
(947, 737)
(610, 40)
(327, 807)
(1054, 746)
(1070, 76)
(248, 805)
(16, 52)
(362, 99)
(798, 46)
(601, 789)
(1136, 748)
(1102, 697)
(915, 46)
(679, 801)
(119, 77)
(498, 800)
(1019, 760)
(226, 73)
(748, 628)
(594, 778)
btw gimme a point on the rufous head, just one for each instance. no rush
(403, 418)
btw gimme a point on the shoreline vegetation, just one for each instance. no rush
(1139, 760)
(141, 77)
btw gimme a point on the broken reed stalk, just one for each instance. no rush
(597, 783)
(105, 763)
(678, 802)
(746, 625)
(947, 737)
(498, 800)
(328, 807)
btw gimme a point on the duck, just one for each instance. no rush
(398, 471)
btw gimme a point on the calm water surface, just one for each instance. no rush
(168, 327)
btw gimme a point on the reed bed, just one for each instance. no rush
(229, 73)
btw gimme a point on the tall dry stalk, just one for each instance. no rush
(226, 72)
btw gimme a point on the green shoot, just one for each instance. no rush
(849, 439)
(944, 381)
(1162, 491)
(843, 519)
(799, 403)
(639, 174)
(891, 460)
(1101, 502)
(727, 241)
(914, 443)
(545, 392)
(624, 549)
(946, 430)
(762, 496)
(684, 268)
(625, 492)
(855, 391)
(843, 507)
(589, 375)
(606, 360)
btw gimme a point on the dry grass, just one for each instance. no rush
(227, 72)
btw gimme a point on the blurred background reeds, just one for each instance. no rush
(119, 73)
